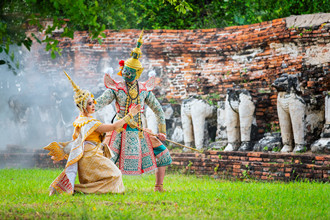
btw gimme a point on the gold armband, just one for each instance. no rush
(130, 115)
(127, 119)
(162, 128)
(119, 130)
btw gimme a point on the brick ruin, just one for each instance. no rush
(253, 165)
(217, 164)
(207, 62)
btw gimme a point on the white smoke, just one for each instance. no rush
(36, 108)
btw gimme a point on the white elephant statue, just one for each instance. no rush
(240, 115)
(323, 144)
(193, 115)
(291, 113)
(221, 135)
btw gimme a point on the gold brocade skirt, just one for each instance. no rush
(97, 173)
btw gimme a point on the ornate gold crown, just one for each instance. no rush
(134, 62)
(81, 96)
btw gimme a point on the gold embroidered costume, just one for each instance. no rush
(87, 156)
(132, 148)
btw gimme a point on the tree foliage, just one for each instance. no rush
(95, 16)
(150, 14)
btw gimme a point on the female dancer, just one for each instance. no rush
(86, 154)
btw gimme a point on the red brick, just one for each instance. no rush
(254, 154)
(288, 170)
(255, 159)
(320, 158)
(310, 165)
(233, 158)
(297, 161)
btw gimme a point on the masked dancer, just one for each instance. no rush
(132, 147)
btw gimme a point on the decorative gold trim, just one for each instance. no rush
(127, 119)
(55, 150)
(76, 159)
(96, 146)
(119, 130)
(162, 128)
(91, 130)
(82, 120)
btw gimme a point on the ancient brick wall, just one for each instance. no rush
(209, 61)
(253, 165)
(217, 164)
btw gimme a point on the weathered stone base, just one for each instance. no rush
(38, 159)
(254, 165)
(217, 164)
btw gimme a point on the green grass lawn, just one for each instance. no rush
(24, 195)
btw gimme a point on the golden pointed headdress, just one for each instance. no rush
(134, 62)
(81, 96)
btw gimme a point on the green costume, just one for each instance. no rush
(133, 148)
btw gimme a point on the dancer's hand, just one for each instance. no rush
(136, 109)
(54, 161)
(161, 136)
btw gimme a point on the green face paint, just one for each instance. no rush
(129, 74)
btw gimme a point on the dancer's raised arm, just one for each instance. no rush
(118, 124)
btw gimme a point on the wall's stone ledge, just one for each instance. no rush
(218, 164)
(252, 165)
(308, 21)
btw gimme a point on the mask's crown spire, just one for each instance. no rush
(134, 62)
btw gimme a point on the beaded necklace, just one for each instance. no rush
(133, 90)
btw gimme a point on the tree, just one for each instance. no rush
(220, 14)
(93, 16)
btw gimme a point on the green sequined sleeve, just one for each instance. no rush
(105, 99)
(155, 106)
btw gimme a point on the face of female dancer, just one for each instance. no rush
(90, 106)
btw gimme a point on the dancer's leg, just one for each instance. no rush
(160, 174)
